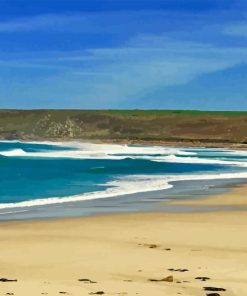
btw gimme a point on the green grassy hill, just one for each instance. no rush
(125, 125)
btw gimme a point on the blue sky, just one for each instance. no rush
(167, 54)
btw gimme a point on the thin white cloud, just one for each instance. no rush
(29, 24)
(83, 22)
(131, 71)
(135, 71)
(109, 22)
(237, 29)
(152, 53)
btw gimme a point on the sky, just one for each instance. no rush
(123, 54)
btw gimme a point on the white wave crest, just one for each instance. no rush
(119, 152)
(95, 151)
(237, 152)
(176, 159)
(125, 186)
(75, 154)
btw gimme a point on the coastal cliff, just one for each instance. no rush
(133, 126)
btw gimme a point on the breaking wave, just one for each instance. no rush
(128, 184)
(125, 186)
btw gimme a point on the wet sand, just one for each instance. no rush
(236, 198)
(120, 254)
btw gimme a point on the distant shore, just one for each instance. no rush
(185, 144)
(160, 127)
(130, 254)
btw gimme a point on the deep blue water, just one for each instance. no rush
(29, 177)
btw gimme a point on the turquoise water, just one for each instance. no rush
(33, 174)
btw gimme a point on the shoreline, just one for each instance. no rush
(161, 200)
(120, 254)
(165, 143)
(235, 198)
(144, 184)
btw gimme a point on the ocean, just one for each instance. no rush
(48, 179)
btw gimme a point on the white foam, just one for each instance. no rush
(237, 152)
(95, 151)
(125, 186)
(75, 154)
(118, 152)
(176, 159)
(13, 212)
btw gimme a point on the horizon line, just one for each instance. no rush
(120, 109)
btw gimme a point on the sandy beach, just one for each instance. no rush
(129, 254)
